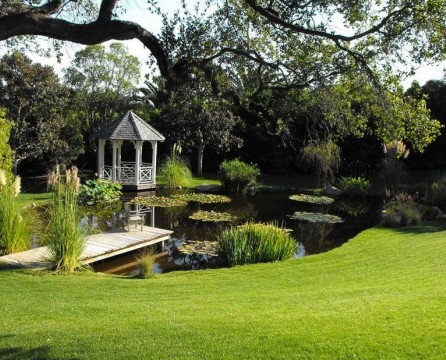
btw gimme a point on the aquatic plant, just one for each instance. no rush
(158, 201)
(14, 233)
(313, 199)
(145, 261)
(209, 248)
(175, 171)
(65, 237)
(98, 191)
(354, 186)
(202, 198)
(212, 216)
(316, 217)
(254, 243)
(237, 175)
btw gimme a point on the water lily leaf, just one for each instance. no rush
(157, 201)
(324, 200)
(212, 216)
(209, 248)
(316, 217)
(202, 198)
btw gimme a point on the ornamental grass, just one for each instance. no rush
(255, 243)
(14, 233)
(65, 237)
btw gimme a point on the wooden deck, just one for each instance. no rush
(98, 247)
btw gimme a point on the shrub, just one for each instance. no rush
(402, 211)
(175, 171)
(98, 191)
(14, 233)
(254, 243)
(65, 237)
(354, 186)
(237, 175)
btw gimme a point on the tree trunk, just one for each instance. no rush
(201, 146)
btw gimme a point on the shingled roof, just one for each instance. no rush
(129, 127)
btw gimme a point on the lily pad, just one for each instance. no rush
(313, 199)
(316, 217)
(158, 201)
(209, 248)
(212, 216)
(202, 198)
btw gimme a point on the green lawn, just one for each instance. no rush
(380, 296)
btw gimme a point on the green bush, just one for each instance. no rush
(99, 191)
(354, 186)
(237, 175)
(254, 243)
(14, 233)
(175, 172)
(65, 237)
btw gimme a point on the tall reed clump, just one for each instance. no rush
(175, 170)
(145, 262)
(14, 233)
(254, 243)
(65, 237)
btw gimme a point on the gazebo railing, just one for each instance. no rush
(125, 173)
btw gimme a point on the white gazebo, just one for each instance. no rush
(133, 175)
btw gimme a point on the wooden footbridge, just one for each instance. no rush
(98, 247)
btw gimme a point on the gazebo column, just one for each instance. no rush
(101, 150)
(116, 159)
(138, 160)
(154, 151)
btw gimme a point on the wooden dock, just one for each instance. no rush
(98, 247)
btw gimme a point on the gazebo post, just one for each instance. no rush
(114, 159)
(101, 147)
(154, 151)
(138, 157)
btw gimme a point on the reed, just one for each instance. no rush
(14, 232)
(175, 171)
(254, 243)
(145, 261)
(65, 237)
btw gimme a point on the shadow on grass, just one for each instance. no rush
(17, 353)
(424, 228)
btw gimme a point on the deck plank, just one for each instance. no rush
(97, 247)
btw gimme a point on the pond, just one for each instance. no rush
(311, 238)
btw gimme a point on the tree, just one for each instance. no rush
(195, 119)
(372, 31)
(35, 101)
(6, 156)
(101, 82)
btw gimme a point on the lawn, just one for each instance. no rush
(380, 296)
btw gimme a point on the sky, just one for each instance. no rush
(138, 13)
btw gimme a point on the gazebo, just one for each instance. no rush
(133, 175)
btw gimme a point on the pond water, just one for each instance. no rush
(312, 238)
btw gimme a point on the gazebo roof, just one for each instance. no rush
(129, 127)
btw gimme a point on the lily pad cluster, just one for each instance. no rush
(313, 199)
(202, 198)
(209, 248)
(316, 217)
(212, 216)
(158, 201)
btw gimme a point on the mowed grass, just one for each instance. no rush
(380, 296)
